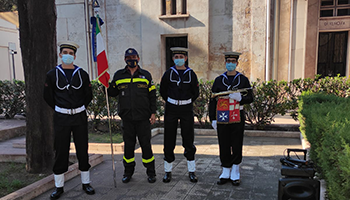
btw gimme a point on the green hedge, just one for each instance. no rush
(12, 98)
(324, 120)
(271, 98)
(97, 108)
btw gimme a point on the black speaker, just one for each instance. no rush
(302, 172)
(298, 189)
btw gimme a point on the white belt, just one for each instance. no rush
(179, 102)
(70, 111)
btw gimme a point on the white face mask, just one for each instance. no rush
(67, 59)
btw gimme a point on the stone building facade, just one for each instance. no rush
(279, 39)
(10, 53)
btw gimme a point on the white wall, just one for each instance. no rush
(9, 33)
(299, 39)
(213, 27)
(136, 23)
(71, 25)
(238, 26)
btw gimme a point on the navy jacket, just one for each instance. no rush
(69, 94)
(136, 94)
(176, 88)
(222, 84)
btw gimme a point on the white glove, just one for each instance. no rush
(213, 124)
(236, 96)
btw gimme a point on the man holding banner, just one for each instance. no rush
(228, 117)
(137, 107)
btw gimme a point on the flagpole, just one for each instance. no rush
(110, 134)
(104, 64)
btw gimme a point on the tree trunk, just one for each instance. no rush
(37, 22)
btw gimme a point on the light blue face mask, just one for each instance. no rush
(231, 66)
(67, 59)
(179, 62)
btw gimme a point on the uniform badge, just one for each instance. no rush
(227, 111)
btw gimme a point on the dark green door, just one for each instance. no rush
(174, 42)
(332, 51)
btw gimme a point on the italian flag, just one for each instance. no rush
(102, 63)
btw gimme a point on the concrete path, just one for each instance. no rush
(260, 171)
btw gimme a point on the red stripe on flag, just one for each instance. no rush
(102, 66)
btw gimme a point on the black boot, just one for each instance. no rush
(151, 178)
(193, 177)
(223, 181)
(236, 182)
(88, 189)
(126, 179)
(167, 177)
(57, 193)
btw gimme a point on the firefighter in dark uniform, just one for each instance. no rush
(230, 135)
(179, 89)
(137, 108)
(68, 91)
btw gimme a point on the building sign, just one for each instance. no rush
(334, 24)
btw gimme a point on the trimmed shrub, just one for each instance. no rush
(97, 108)
(270, 98)
(160, 104)
(325, 123)
(201, 105)
(12, 98)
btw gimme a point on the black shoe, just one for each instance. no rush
(126, 179)
(151, 179)
(193, 177)
(223, 181)
(57, 193)
(167, 177)
(236, 182)
(88, 189)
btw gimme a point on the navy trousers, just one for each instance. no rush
(230, 138)
(171, 118)
(62, 145)
(141, 129)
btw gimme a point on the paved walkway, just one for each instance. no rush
(260, 171)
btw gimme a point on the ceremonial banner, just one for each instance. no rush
(227, 111)
(102, 64)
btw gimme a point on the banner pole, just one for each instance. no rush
(110, 134)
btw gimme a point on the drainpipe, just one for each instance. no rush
(275, 50)
(290, 67)
(268, 41)
(106, 26)
(88, 39)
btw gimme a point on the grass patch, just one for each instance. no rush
(13, 176)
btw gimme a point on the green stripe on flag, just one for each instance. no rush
(98, 24)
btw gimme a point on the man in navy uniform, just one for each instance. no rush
(136, 107)
(179, 89)
(230, 127)
(68, 91)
